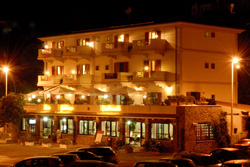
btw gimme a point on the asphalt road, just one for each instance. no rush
(11, 153)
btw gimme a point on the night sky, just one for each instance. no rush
(23, 21)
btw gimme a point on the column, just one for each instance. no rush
(147, 130)
(76, 129)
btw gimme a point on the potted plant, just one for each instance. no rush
(46, 142)
(128, 148)
(64, 143)
(191, 100)
(4, 137)
(182, 100)
(202, 101)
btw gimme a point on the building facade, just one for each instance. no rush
(114, 80)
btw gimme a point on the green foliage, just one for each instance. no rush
(221, 131)
(127, 101)
(81, 101)
(63, 101)
(103, 101)
(11, 109)
(132, 126)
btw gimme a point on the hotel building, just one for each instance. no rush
(145, 62)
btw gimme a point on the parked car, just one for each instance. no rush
(42, 161)
(68, 159)
(86, 155)
(108, 153)
(94, 163)
(237, 163)
(226, 154)
(200, 159)
(243, 144)
(154, 163)
(180, 162)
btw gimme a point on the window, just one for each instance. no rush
(87, 127)
(206, 34)
(204, 131)
(60, 45)
(28, 124)
(162, 131)
(97, 68)
(57, 70)
(66, 126)
(152, 65)
(110, 128)
(212, 65)
(107, 67)
(97, 39)
(83, 69)
(206, 65)
(47, 126)
(213, 34)
(152, 35)
(82, 42)
(121, 67)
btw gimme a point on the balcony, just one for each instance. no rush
(44, 80)
(153, 76)
(74, 79)
(117, 77)
(100, 109)
(153, 46)
(49, 54)
(78, 52)
(122, 48)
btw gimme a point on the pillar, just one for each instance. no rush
(76, 129)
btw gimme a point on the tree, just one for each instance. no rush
(11, 110)
(221, 131)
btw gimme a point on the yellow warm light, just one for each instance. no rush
(168, 89)
(66, 107)
(146, 68)
(29, 99)
(121, 38)
(235, 60)
(102, 89)
(46, 47)
(73, 71)
(46, 107)
(47, 72)
(110, 108)
(138, 88)
(48, 95)
(5, 69)
(38, 100)
(237, 66)
(58, 96)
(90, 44)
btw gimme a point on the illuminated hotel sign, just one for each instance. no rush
(66, 108)
(110, 108)
(46, 107)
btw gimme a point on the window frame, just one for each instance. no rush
(206, 133)
(88, 130)
(110, 128)
(67, 126)
(158, 134)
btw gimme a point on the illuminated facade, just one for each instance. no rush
(146, 62)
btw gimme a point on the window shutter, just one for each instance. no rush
(126, 39)
(115, 41)
(53, 70)
(78, 69)
(146, 38)
(61, 70)
(62, 44)
(158, 34)
(125, 67)
(53, 44)
(158, 65)
(87, 67)
(116, 69)
(78, 42)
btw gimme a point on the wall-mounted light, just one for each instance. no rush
(38, 100)
(57, 96)
(83, 96)
(45, 119)
(73, 71)
(106, 96)
(33, 96)
(144, 96)
(146, 68)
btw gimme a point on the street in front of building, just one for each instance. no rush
(11, 153)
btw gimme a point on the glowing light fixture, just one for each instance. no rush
(106, 96)
(146, 68)
(33, 96)
(45, 119)
(73, 71)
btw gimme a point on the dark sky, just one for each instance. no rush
(47, 17)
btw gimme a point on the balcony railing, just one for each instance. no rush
(153, 45)
(51, 53)
(78, 51)
(117, 77)
(122, 47)
(153, 76)
(75, 79)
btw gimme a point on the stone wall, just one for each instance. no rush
(188, 117)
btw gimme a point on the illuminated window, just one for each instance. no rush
(47, 126)
(28, 123)
(152, 65)
(83, 69)
(206, 34)
(110, 128)
(121, 38)
(87, 127)
(204, 131)
(162, 131)
(83, 42)
(66, 126)
(57, 70)
(60, 45)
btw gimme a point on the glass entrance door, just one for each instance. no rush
(134, 133)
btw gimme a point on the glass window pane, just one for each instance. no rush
(143, 130)
(108, 128)
(81, 127)
(113, 133)
(70, 126)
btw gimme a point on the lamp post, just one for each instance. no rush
(6, 69)
(234, 61)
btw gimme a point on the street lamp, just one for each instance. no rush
(235, 61)
(6, 69)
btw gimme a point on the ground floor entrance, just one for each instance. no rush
(134, 133)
